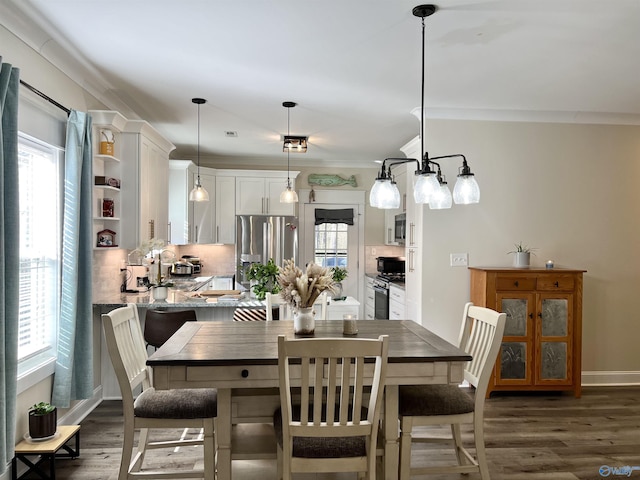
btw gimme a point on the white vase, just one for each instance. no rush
(521, 259)
(304, 321)
(160, 293)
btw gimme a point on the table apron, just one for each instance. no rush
(266, 376)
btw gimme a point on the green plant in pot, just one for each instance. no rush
(338, 275)
(263, 278)
(522, 255)
(43, 420)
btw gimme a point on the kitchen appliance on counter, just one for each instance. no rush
(262, 237)
(137, 278)
(182, 268)
(390, 270)
(195, 262)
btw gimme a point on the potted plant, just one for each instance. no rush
(521, 255)
(263, 278)
(43, 420)
(338, 275)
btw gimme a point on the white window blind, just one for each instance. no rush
(40, 237)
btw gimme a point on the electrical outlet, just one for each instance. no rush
(459, 259)
(373, 251)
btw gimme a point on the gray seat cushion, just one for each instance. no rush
(178, 403)
(425, 400)
(321, 447)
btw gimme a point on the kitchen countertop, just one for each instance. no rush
(176, 298)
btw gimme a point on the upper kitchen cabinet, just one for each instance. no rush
(201, 222)
(181, 180)
(225, 208)
(145, 164)
(107, 200)
(260, 194)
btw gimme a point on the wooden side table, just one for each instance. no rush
(48, 450)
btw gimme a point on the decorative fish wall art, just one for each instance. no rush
(328, 180)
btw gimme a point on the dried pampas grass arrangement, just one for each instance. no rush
(301, 289)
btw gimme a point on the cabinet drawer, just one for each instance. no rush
(515, 283)
(556, 282)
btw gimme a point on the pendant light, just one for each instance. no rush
(289, 195)
(198, 193)
(430, 185)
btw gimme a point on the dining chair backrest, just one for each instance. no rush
(159, 325)
(336, 386)
(480, 336)
(286, 313)
(127, 350)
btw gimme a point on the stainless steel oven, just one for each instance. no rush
(381, 298)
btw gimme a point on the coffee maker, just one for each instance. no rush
(137, 278)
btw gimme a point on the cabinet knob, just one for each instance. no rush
(531, 315)
(557, 284)
(245, 373)
(516, 283)
(540, 314)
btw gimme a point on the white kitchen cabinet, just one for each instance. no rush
(369, 299)
(106, 126)
(260, 195)
(181, 179)
(397, 310)
(145, 168)
(348, 306)
(204, 213)
(413, 250)
(225, 208)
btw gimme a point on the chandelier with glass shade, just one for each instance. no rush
(430, 185)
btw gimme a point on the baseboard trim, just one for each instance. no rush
(610, 379)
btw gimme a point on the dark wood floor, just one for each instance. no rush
(530, 436)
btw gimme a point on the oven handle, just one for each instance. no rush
(384, 291)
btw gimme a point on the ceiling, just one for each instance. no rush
(353, 67)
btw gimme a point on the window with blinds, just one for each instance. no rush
(331, 244)
(40, 238)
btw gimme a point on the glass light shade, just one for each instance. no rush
(198, 194)
(441, 198)
(466, 191)
(424, 186)
(384, 194)
(288, 195)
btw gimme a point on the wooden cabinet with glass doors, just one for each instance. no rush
(542, 342)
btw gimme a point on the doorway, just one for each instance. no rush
(338, 243)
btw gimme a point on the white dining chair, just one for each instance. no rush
(152, 409)
(275, 301)
(426, 405)
(330, 397)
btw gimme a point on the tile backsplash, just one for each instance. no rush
(372, 252)
(107, 276)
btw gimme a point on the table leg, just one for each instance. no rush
(223, 434)
(390, 432)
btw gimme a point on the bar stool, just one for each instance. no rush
(159, 325)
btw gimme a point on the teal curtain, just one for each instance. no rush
(9, 258)
(74, 366)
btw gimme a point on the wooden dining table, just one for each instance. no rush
(237, 357)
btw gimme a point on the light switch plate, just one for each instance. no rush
(459, 259)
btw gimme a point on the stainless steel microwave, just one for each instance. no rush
(400, 229)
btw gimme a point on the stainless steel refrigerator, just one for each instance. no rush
(261, 237)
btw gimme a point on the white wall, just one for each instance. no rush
(569, 190)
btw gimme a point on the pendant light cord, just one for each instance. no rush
(198, 144)
(289, 147)
(422, 122)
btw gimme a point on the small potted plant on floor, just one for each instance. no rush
(43, 420)
(521, 255)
